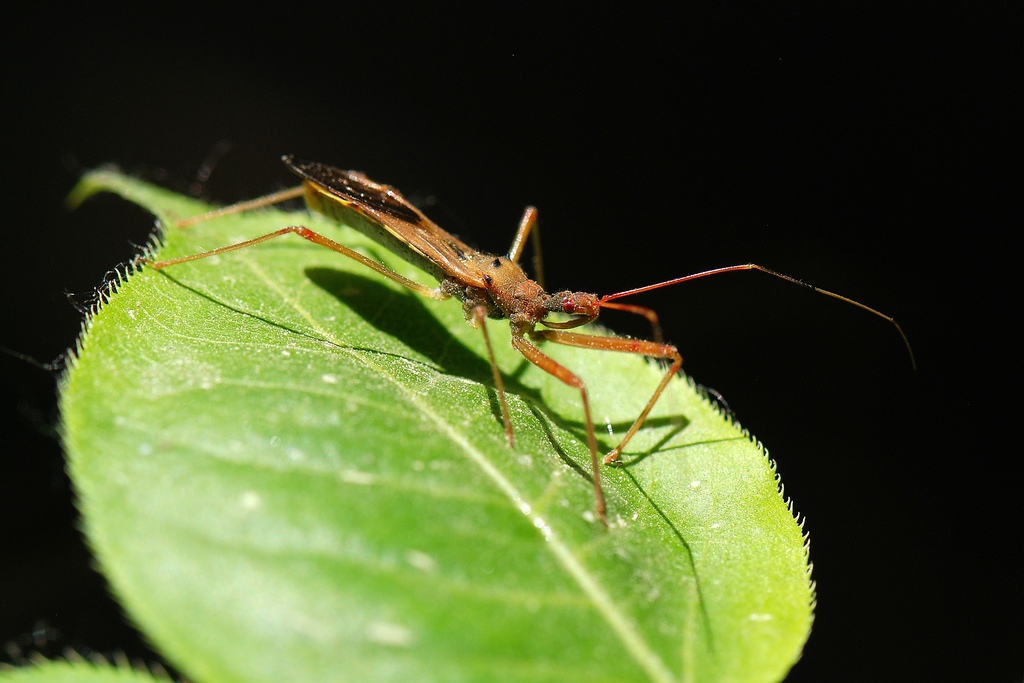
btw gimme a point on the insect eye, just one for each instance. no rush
(568, 305)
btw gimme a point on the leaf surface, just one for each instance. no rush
(78, 672)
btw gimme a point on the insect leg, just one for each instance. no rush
(316, 238)
(479, 319)
(638, 346)
(527, 224)
(649, 313)
(552, 367)
(249, 205)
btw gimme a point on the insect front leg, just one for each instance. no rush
(552, 367)
(649, 313)
(622, 345)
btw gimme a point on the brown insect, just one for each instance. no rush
(489, 286)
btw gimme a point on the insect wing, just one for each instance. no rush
(406, 230)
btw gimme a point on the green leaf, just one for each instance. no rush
(291, 468)
(78, 672)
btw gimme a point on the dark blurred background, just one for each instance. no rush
(869, 149)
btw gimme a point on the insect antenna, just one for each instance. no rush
(604, 300)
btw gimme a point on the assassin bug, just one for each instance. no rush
(488, 286)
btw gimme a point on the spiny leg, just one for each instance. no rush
(623, 345)
(560, 372)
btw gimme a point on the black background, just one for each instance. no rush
(870, 150)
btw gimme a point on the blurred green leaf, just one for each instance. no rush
(78, 672)
(291, 468)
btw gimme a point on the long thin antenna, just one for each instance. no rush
(769, 271)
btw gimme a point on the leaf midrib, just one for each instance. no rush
(601, 600)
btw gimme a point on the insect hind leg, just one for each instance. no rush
(315, 238)
(248, 205)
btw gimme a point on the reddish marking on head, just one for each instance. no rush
(568, 305)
